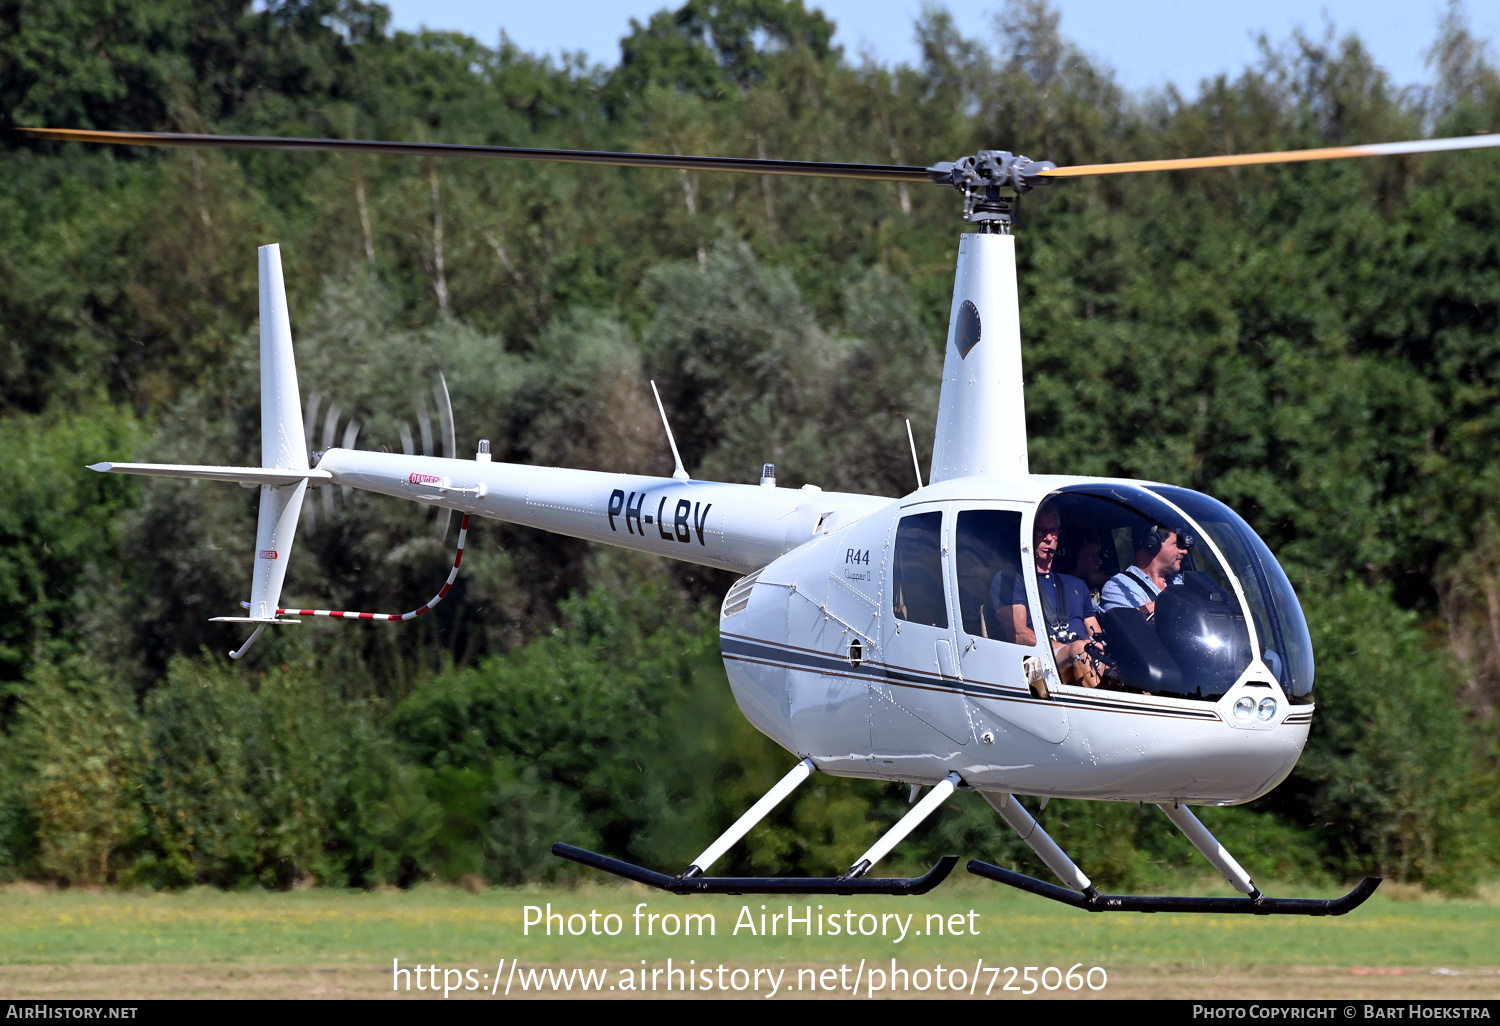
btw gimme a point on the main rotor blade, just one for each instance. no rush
(1471, 142)
(743, 165)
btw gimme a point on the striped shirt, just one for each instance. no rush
(1131, 588)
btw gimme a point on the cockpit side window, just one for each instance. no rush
(917, 571)
(988, 550)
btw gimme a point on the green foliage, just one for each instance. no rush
(58, 525)
(708, 47)
(74, 763)
(1392, 774)
(243, 778)
(754, 377)
(570, 728)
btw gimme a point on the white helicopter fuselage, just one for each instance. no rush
(909, 702)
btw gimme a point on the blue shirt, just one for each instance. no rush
(1009, 589)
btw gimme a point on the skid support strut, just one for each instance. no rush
(855, 882)
(1083, 895)
(909, 822)
(757, 812)
(1209, 845)
(1030, 831)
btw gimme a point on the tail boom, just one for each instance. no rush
(730, 526)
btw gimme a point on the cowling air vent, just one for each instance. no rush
(739, 595)
(966, 332)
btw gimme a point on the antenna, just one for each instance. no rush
(915, 465)
(679, 474)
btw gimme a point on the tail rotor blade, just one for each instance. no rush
(450, 443)
(445, 416)
(407, 446)
(351, 436)
(330, 425)
(424, 423)
(310, 421)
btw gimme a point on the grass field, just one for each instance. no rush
(322, 943)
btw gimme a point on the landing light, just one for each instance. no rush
(1244, 707)
(1265, 712)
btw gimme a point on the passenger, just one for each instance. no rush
(1065, 603)
(1159, 552)
(1090, 566)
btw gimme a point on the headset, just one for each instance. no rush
(1152, 537)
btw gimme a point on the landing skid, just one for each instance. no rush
(1080, 892)
(762, 884)
(692, 880)
(1093, 901)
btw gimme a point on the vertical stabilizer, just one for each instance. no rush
(277, 526)
(981, 427)
(282, 443)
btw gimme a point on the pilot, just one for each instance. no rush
(1159, 552)
(1066, 604)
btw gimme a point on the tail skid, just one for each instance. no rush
(343, 614)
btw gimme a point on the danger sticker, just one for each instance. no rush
(423, 479)
(267, 554)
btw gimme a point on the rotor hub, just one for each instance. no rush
(993, 182)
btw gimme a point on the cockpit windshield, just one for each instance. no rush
(1165, 605)
(1286, 645)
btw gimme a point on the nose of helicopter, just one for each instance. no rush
(1144, 749)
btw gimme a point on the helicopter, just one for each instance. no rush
(993, 630)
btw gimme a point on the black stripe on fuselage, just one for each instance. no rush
(751, 650)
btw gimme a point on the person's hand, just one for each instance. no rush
(1069, 652)
(1075, 665)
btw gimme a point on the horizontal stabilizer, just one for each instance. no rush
(242, 475)
(248, 619)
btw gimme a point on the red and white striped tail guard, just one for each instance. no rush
(344, 614)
